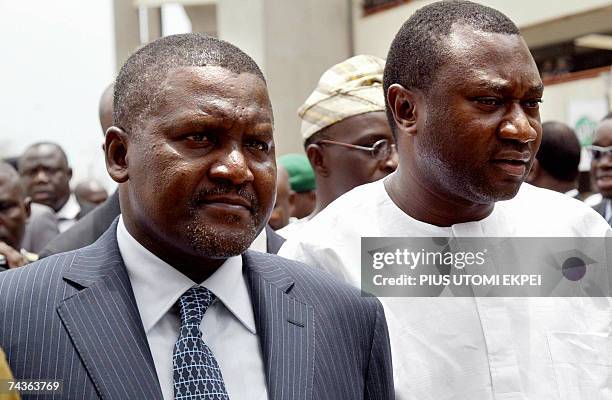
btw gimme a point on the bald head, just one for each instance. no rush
(90, 191)
(10, 175)
(559, 152)
(556, 163)
(14, 207)
(105, 108)
(45, 174)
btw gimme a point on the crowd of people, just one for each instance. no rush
(218, 270)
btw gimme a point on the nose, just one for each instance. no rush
(41, 176)
(232, 167)
(390, 163)
(516, 125)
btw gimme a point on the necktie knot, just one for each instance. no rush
(194, 303)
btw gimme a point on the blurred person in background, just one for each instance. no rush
(88, 229)
(346, 134)
(601, 166)
(41, 226)
(14, 213)
(302, 180)
(46, 175)
(89, 195)
(557, 160)
(284, 200)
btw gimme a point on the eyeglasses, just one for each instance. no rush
(597, 152)
(381, 150)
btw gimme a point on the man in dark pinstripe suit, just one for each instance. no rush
(192, 144)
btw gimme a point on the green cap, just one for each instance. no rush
(301, 175)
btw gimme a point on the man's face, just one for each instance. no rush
(601, 170)
(46, 176)
(304, 204)
(284, 199)
(348, 167)
(481, 125)
(13, 211)
(202, 166)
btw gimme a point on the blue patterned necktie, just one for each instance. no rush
(196, 372)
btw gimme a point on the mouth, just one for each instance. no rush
(513, 163)
(512, 167)
(42, 195)
(604, 180)
(227, 203)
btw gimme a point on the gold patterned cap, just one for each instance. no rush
(349, 88)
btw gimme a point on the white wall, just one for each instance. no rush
(293, 42)
(57, 58)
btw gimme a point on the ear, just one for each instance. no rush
(316, 156)
(115, 151)
(291, 200)
(402, 103)
(69, 173)
(27, 202)
(534, 173)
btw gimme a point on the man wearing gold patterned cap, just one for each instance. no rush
(345, 131)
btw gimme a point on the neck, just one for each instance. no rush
(193, 266)
(323, 200)
(325, 195)
(423, 204)
(62, 202)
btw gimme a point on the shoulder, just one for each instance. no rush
(41, 211)
(328, 241)
(310, 285)
(87, 230)
(351, 213)
(564, 213)
(39, 273)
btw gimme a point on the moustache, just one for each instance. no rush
(226, 189)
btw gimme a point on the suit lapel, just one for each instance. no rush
(103, 322)
(285, 327)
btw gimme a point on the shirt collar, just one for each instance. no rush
(261, 242)
(69, 210)
(157, 285)
(572, 193)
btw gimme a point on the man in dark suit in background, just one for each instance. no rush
(88, 229)
(601, 166)
(193, 150)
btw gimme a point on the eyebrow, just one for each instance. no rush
(500, 87)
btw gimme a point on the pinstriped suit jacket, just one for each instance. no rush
(73, 317)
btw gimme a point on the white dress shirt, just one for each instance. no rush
(228, 326)
(476, 348)
(67, 215)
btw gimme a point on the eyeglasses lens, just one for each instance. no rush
(597, 154)
(381, 149)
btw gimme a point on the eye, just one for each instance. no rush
(488, 101)
(258, 145)
(198, 137)
(534, 103)
(201, 139)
